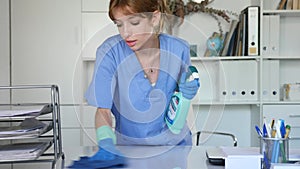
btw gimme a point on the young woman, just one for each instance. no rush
(136, 73)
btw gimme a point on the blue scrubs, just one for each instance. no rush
(139, 108)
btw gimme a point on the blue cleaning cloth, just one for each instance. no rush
(107, 156)
(85, 163)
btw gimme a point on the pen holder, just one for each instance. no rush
(274, 150)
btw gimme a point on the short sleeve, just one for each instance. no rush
(101, 89)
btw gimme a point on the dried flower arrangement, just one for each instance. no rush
(180, 9)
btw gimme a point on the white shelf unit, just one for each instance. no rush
(53, 135)
(279, 33)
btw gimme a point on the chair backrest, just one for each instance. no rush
(207, 135)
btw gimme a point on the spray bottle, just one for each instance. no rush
(179, 106)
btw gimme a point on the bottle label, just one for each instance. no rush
(173, 106)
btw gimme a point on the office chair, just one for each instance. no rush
(234, 139)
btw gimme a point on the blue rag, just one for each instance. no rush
(107, 156)
(85, 163)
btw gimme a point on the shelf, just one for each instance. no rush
(212, 103)
(220, 103)
(289, 13)
(282, 103)
(224, 58)
(282, 57)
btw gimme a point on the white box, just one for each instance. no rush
(242, 157)
(244, 162)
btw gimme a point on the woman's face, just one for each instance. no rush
(136, 29)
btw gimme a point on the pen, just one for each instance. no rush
(266, 160)
(277, 144)
(265, 132)
(282, 128)
(273, 132)
(287, 131)
(266, 129)
(258, 131)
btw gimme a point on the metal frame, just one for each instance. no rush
(234, 139)
(56, 124)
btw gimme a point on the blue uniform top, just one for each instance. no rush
(139, 108)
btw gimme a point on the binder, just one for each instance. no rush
(240, 47)
(270, 88)
(252, 30)
(271, 35)
(274, 35)
(247, 89)
(266, 36)
(227, 40)
(232, 42)
(237, 86)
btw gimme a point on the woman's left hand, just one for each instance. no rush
(188, 88)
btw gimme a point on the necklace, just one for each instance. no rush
(149, 71)
(151, 74)
(150, 61)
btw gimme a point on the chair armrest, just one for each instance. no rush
(218, 133)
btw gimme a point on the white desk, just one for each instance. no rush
(158, 157)
(153, 157)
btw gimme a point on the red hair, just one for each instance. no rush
(137, 6)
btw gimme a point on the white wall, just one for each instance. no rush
(4, 49)
(4, 57)
(46, 43)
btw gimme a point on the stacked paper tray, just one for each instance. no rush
(23, 151)
(24, 111)
(29, 128)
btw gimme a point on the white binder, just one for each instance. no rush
(227, 81)
(274, 35)
(270, 88)
(271, 35)
(266, 36)
(247, 79)
(238, 79)
(252, 30)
